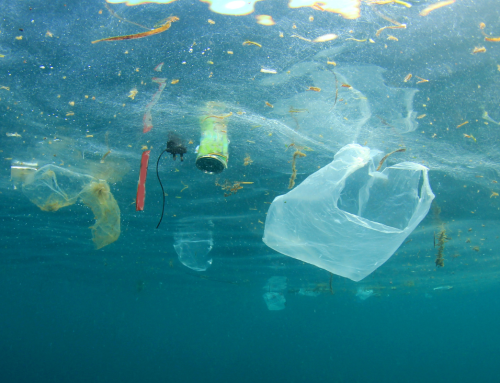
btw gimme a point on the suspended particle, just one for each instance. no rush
(248, 42)
(492, 39)
(132, 93)
(268, 70)
(265, 20)
(162, 28)
(324, 38)
(435, 6)
(478, 50)
(247, 160)
(301, 38)
(158, 67)
(402, 26)
(421, 80)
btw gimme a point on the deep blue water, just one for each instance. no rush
(57, 330)
(133, 311)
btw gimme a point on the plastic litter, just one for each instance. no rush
(274, 298)
(98, 197)
(308, 293)
(193, 249)
(274, 301)
(141, 185)
(364, 294)
(348, 218)
(52, 187)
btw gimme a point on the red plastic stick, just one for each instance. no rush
(141, 187)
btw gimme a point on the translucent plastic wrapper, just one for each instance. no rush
(193, 249)
(363, 294)
(274, 301)
(52, 187)
(348, 218)
(308, 293)
(274, 297)
(98, 197)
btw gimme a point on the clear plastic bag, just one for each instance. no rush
(347, 217)
(52, 187)
(274, 295)
(193, 250)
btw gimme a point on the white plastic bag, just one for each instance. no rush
(348, 218)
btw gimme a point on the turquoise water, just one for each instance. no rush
(140, 309)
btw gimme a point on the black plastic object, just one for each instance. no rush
(175, 146)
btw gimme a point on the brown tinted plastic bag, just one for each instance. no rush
(52, 187)
(98, 197)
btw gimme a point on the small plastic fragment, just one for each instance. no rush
(162, 28)
(268, 70)
(324, 38)
(265, 20)
(158, 67)
(248, 42)
(435, 6)
(478, 50)
(147, 120)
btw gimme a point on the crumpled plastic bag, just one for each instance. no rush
(52, 187)
(348, 218)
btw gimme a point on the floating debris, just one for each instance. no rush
(163, 28)
(443, 288)
(435, 6)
